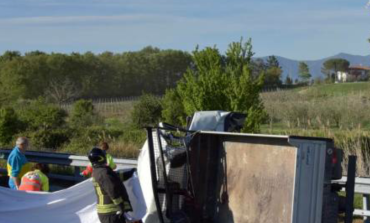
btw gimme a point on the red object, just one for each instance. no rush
(88, 171)
(30, 184)
(334, 157)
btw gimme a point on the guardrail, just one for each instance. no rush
(362, 186)
(65, 160)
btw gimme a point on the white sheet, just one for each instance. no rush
(76, 204)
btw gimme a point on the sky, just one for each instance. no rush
(296, 29)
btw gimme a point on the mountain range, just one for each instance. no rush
(290, 67)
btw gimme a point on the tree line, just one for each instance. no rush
(64, 77)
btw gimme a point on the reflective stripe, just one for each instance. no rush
(117, 201)
(99, 192)
(105, 204)
(127, 206)
(107, 208)
(32, 184)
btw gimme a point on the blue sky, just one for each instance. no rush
(296, 29)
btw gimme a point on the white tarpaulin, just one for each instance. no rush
(143, 168)
(76, 204)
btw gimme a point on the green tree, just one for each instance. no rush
(272, 61)
(304, 72)
(332, 66)
(9, 125)
(288, 81)
(10, 55)
(219, 82)
(273, 77)
(273, 72)
(83, 114)
(44, 123)
(173, 108)
(147, 111)
(40, 115)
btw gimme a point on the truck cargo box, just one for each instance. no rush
(243, 178)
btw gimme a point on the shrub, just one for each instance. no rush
(83, 114)
(9, 125)
(51, 139)
(40, 115)
(99, 133)
(147, 111)
(44, 124)
(173, 109)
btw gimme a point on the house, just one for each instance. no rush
(353, 74)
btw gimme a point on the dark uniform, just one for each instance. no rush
(111, 193)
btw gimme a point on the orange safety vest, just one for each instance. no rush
(31, 182)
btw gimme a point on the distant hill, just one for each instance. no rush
(291, 66)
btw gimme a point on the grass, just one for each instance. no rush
(335, 89)
(337, 111)
(110, 108)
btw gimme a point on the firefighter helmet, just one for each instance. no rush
(97, 157)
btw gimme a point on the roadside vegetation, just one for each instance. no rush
(338, 111)
(76, 127)
(207, 80)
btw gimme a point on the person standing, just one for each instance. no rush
(17, 164)
(110, 162)
(113, 201)
(36, 180)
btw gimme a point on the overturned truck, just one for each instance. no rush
(227, 177)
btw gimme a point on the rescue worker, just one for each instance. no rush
(36, 180)
(105, 147)
(17, 164)
(113, 200)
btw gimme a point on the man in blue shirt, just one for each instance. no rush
(17, 164)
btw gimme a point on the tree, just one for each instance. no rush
(10, 55)
(288, 81)
(332, 66)
(258, 67)
(147, 111)
(273, 62)
(83, 114)
(45, 124)
(304, 72)
(64, 91)
(9, 125)
(273, 72)
(173, 108)
(219, 82)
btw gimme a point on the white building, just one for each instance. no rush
(353, 74)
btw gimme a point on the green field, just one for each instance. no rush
(337, 111)
(336, 89)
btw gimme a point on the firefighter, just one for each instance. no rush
(36, 180)
(113, 200)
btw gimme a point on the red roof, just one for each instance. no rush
(359, 67)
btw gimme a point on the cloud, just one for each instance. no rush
(50, 20)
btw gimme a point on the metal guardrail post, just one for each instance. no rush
(350, 189)
(365, 206)
(77, 172)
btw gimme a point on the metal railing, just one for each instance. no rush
(362, 186)
(65, 160)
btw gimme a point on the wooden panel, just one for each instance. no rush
(260, 183)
